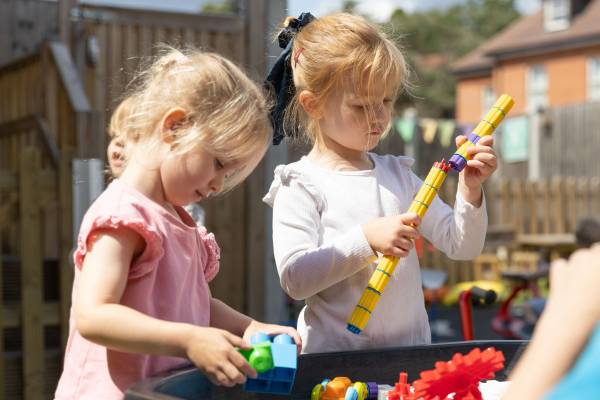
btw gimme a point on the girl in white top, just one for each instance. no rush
(341, 207)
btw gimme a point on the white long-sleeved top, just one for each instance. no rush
(323, 257)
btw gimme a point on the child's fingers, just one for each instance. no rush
(399, 252)
(477, 164)
(410, 219)
(236, 341)
(488, 158)
(480, 149)
(404, 244)
(239, 362)
(219, 378)
(486, 141)
(459, 140)
(294, 334)
(233, 373)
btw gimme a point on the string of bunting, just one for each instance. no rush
(445, 130)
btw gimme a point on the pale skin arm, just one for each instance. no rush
(480, 167)
(100, 318)
(395, 235)
(572, 311)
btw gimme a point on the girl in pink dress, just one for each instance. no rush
(141, 301)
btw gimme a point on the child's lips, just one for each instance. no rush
(199, 194)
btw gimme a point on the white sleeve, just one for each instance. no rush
(458, 232)
(306, 266)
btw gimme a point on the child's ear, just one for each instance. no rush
(308, 101)
(173, 119)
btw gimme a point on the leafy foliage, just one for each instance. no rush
(433, 39)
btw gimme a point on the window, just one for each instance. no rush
(593, 78)
(557, 15)
(488, 97)
(537, 88)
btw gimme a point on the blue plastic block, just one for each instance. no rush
(280, 379)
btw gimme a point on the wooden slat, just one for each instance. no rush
(3, 323)
(12, 315)
(31, 278)
(218, 23)
(559, 208)
(69, 76)
(65, 196)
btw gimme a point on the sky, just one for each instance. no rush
(381, 10)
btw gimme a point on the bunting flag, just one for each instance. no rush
(406, 128)
(429, 127)
(447, 128)
(514, 143)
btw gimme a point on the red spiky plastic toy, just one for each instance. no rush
(460, 375)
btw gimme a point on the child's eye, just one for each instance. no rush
(219, 164)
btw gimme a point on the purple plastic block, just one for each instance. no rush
(457, 162)
(373, 390)
(473, 138)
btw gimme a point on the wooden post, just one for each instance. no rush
(31, 277)
(2, 377)
(559, 209)
(531, 194)
(67, 243)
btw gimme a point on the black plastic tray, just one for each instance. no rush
(381, 366)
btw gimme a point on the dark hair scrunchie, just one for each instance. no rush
(279, 80)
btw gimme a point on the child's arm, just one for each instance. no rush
(479, 168)
(460, 232)
(572, 311)
(307, 267)
(101, 318)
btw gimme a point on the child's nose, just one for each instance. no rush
(216, 184)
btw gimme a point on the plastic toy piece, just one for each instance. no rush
(274, 361)
(460, 376)
(366, 304)
(486, 127)
(362, 312)
(342, 388)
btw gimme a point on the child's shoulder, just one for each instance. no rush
(390, 161)
(297, 177)
(122, 205)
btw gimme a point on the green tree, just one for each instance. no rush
(432, 40)
(220, 7)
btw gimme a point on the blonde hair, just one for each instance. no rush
(226, 112)
(332, 49)
(118, 119)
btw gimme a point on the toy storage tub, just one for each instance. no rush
(381, 366)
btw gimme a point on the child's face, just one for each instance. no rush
(356, 122)
(192, 177)
(116, 158)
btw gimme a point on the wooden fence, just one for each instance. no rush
(46, 120)
(550, 205)
(33, 310)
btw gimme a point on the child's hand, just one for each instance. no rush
(482, 163)
(270, 330)
(574, 283)
(393, 236)
(214, 352)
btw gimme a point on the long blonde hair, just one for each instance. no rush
(227, 113)
(332, 49)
